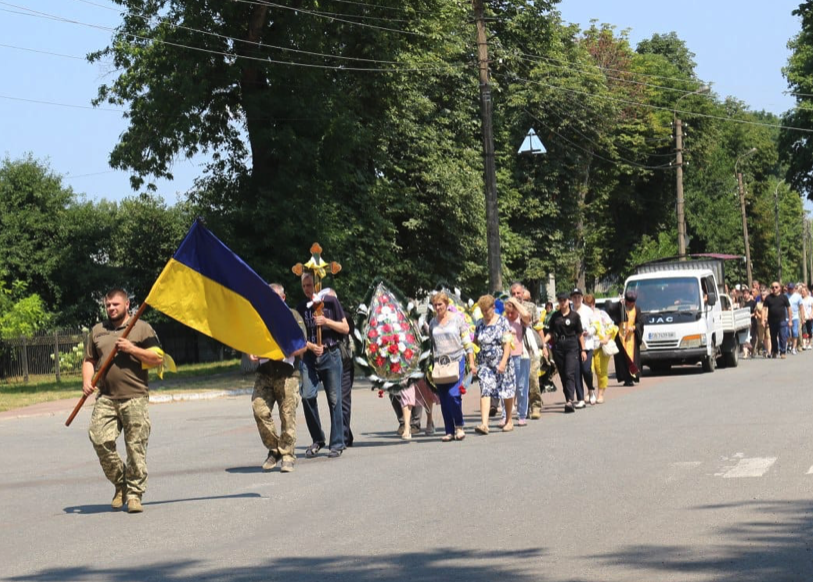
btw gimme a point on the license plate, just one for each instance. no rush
(662, 336)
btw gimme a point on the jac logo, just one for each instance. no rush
(661, 319)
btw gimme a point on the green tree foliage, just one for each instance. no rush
(671, 47)
(21, 313)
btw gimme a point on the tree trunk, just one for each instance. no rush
(580, 210)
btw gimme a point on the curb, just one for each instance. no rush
(154, 399)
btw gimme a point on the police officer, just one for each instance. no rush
(567, 335)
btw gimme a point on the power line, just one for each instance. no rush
(625, 162)
(20, 48)
(660, 108)
(230, 55)
(313, 13)
(61, 104)
(244, 41)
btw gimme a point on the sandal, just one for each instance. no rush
(311, 451)
(481, 429)
(448, 438)
(459, 435)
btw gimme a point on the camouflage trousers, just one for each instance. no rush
(534, 394)
(109, 418)
(284, 392)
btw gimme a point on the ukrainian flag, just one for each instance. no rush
(209, 288)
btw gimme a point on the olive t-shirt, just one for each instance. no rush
(125, 378)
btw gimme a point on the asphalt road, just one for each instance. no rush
(690, 477)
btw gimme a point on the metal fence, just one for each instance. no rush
(59, 353)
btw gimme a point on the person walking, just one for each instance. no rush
(322, 366)
(532, 335)
(450, 338)
(585, 376)
(519, 319)
(606, 331)
(497, 379)
(807, 322)
(779, 313)
(795, 300)
(630, 334)
(566, 332)
(122, 403)
(277, 384)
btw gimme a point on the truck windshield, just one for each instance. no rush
(667, 294)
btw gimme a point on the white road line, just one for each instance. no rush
(755, 467)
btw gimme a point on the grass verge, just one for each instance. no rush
(190, 378)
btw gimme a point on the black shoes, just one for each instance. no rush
(334, 454)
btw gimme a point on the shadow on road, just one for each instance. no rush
(90, 509)
(434, 565)
(776, 544)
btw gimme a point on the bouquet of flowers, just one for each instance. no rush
(388, 340)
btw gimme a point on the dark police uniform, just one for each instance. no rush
(565, 331)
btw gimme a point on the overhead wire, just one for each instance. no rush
(21, 48)
(246, 41)
(231, 55)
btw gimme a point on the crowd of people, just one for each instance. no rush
(511, 351)
(781, 318)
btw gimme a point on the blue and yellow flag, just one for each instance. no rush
(209, 288)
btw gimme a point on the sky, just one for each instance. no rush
(740, 48)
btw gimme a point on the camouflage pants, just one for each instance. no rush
(109, 418)
(534, 394)
(284, 392)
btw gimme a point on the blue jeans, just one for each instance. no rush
(522, 372)
(783, 336)
(451, 403)
(327, 371)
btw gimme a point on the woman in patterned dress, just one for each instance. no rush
(497, 378)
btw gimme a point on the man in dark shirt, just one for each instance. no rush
(779, 314)
(322, 365)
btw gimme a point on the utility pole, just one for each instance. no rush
(681, 218)
(745, 230)
(804, 245)
(492, 212)
(776, 220)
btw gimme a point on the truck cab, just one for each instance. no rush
(682, 315)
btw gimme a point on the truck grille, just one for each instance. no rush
(663, 344)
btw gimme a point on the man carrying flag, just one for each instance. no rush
(123, 397)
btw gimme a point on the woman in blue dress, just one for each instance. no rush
(497, 378)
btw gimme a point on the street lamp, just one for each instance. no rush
(776, 218)
(681, 215)
(744, 219)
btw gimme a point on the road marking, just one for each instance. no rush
(755, 467)
(810, 471)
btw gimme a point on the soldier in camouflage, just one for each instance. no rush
(277, 382)
(123, 397)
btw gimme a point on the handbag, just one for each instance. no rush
(610, 348)
(445, 371)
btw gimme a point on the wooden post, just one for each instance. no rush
(56, 355)
(24, 358)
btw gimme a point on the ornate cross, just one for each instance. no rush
(319, 269)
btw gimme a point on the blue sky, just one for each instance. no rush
(740, 47)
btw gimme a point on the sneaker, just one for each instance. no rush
(118, 498)
(569, 408)
(536, 414)
(430, 429)
(579, 405)
(592, 398)
(400, 430)
(270, 461)
(287, 467)
(492, 412)
(783, 356)
(134, 505)
(793, 351)
(334, 454)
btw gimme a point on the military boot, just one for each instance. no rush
(118, 498)
(134, 505)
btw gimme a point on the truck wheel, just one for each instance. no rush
(709, 363)
(732, 358)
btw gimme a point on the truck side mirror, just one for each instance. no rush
(712, 301)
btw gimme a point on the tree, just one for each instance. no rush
(20, 313)
(673, 49)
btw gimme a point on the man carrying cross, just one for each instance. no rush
(322, 363)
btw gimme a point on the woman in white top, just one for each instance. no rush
(450, 338)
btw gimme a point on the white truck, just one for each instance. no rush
(687, 316)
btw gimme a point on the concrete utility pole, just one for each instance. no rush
(744, 217)
(804, 246)
(492, 212)
(776, 220)
(681, 213)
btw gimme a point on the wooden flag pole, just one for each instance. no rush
(107, 363)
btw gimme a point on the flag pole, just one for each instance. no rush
(107, 363)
